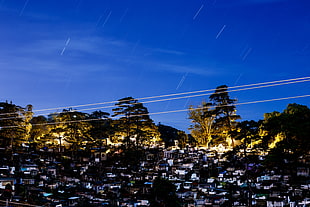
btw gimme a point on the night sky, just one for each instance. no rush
(59, 54)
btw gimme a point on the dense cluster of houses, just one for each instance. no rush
(99, 177)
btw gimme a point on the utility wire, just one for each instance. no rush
(162, 112)
(174, 94)
(241, 88)
(192, 96)
(244, 103)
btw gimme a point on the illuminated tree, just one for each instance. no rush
(14, 124)
(225, 113)
(182, 138)
(27, 114)
(286, 135)
(134, 122)
(74, 126)
(215, 121)
(202, 119)
(40, 127)
(249, 135)
(290, 129)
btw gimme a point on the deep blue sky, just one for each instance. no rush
(61, 53)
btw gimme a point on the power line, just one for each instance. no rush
(241, 88)
(162, 112)
(245, 103)
(174, 94)
(196, 95)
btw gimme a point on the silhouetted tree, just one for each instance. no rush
(101, 126)
(164, 194)
(168, 134)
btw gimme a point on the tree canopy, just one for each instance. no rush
(134, 122)
(214, 121)
(15, 124)
(291, 128)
